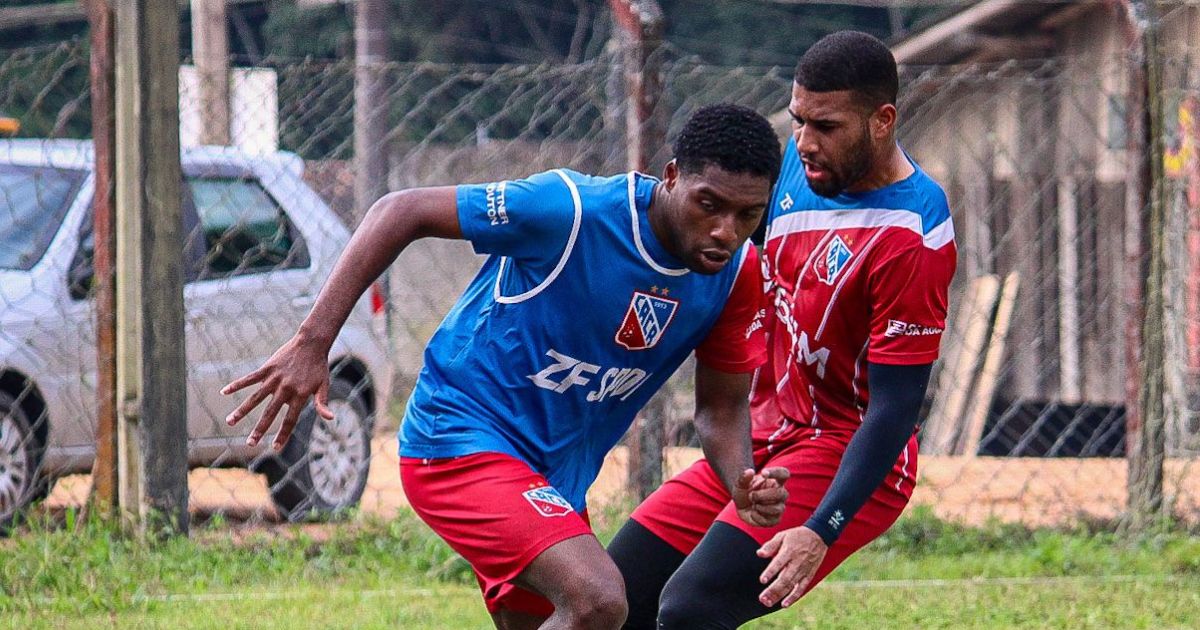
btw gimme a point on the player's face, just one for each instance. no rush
(836, 139)
(709, 215)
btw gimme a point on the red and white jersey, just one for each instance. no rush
(853, 279)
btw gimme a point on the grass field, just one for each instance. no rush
(374, 574)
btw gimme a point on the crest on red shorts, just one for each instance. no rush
(646, 320)
(548, 502)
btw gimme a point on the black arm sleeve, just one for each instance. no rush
(897, 392)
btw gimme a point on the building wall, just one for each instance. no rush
(1024, 153)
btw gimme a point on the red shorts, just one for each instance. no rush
(498, 514)
(683, 509)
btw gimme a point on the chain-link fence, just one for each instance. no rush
(1027, 418)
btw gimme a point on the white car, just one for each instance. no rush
(259, 245)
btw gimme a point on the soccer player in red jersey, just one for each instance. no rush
(858, 260)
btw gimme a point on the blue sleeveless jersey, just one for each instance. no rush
(577, 317)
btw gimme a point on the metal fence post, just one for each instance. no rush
(151, 370)
(104, 468)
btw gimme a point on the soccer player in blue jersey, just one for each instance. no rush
(858, 258)
(594, 291)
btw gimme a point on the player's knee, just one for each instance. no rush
(600, 607)
(691, 603)
(680, 613)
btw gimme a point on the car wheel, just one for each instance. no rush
(322, 471)
(20, 463)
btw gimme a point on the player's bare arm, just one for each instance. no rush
(723, 423)
(299, 370)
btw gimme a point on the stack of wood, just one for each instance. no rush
(967, 380)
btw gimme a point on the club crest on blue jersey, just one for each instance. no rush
(830, 265)
(646, 320)
(548, 502)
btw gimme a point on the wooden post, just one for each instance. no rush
(370, 103)
(646, 441)
(640, 29)
(640, 24)
(210, 50)
(151, 372)
(1145, 415)
(104, 468)
(372, 160)
(615, 105)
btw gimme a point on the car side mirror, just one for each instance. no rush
(81, 278)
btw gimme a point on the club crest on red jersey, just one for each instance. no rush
(646, 320)
(547, 501)
(833, 262)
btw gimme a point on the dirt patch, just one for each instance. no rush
(1033, 491)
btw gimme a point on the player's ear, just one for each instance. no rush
(670, 174)
(883, 121)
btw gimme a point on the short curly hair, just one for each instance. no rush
(850, 60)
(734, 138)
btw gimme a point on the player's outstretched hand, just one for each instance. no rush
(295, 373)
(796, 553)
(760, 498)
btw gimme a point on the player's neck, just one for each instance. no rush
(656, 215)
(890, 167)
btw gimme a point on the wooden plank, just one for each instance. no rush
(933, 425)
(973, 320)
(210, 49)
(985, 389)
(41, 15)
(70, 13)
(1069, 351)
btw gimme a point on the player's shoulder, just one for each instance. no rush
(922, 195)
(589, 181)
(567, 187)
(933, 205)
(595, 188)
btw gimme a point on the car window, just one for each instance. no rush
(81, 275)
(33, 202)
(244, 229)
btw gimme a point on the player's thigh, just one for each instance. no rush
(659, 535)
(498, 514)
(681, 510)
(717, 586)
(812, 468)
(576, 573)
(646, 562)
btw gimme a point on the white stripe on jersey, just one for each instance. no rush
(562, 261)
(740, 263)
(904, 474)
(813, 220)
(821, 244)
(854, 382)
(637, 235)
(787, 371)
